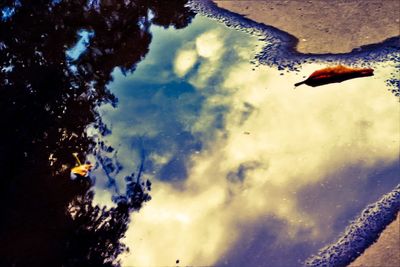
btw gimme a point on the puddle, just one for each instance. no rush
(246, 170)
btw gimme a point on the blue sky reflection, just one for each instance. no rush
(81, 45)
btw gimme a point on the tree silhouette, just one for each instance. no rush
(46, 102)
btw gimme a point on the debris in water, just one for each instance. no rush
(82, 169)
(335, 74)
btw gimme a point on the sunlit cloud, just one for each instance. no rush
(184, 61)
(210, 44)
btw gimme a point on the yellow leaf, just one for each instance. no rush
(82, 170)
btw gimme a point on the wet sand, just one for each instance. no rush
(325, 26)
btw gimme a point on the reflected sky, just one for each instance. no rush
(84, 37)
(246, 170)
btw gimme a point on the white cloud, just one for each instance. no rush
(210, 44)
(184, 61)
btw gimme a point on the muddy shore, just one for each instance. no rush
(324, 26)
(385, 251)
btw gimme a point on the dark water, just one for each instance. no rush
(245, 170)
(47, 100)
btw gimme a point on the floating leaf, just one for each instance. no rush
(82, 170)
(335, 74)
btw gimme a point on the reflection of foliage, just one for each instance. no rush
(45, 107)
(176, 14)
(96, 228)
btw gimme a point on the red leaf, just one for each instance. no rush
(335, 74)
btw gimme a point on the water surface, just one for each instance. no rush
(246, 170)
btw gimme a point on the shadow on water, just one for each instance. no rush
(47, 100)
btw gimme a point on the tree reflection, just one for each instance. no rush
(46, 103)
